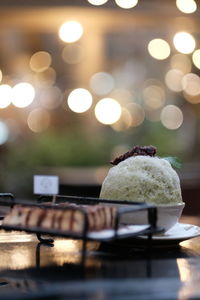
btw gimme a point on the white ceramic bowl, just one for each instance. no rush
(167, 216)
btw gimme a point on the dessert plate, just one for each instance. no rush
(128, 230)
(178, 233)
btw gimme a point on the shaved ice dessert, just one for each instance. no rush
(140, 176)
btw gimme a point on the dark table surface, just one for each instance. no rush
(29, 270)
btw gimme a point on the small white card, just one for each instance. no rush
(43, 184)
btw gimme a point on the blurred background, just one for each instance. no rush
(82, 81)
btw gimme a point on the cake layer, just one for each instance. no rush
(70, 218)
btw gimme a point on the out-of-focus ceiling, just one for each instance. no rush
(33, 17)
(48, 15)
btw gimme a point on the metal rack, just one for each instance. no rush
(3, 197)
(127, 207)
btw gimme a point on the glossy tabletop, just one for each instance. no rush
(31, 270)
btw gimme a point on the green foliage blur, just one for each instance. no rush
(77, 148)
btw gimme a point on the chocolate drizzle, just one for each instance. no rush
(135, 151)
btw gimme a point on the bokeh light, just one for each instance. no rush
(196, 58)
(73, 54)
(184, 42)
(123, 96)
(181, 62)
(186, 6)
(97, 2)
(108, 111)
(124, 122)
(171, 117)
(154, 96)
(23, 94)
(191, 84)
(137, 113)
(102, 83)
(51, 97)
(192, 99)
(126, 3)
(5, 95)
(46, 78)
(173, 80)
(79, 100)
(70, 32)
(159, 49)
(38, 120)
(40, 61)
(4, 132)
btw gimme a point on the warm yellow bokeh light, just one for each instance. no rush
(181, 62)
(101, 83)
(70, 32)
(123, 96)
(159, 49)
(184, 42)
(40, 61)
(97, 2)
(108, 111)
(38, 120)
(46, 78)
(191, 84)
(124, 122)
(171, 117)
(5, 95)
(192, 99)
(154, 96)
(186, 6)
(23, 94)
(137, 113)
(79, 100)
(196, 58)
(126, 3)
(173, 80)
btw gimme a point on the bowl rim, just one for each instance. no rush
(180, 204)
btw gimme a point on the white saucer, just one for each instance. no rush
(110, 233)
(178, 233)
